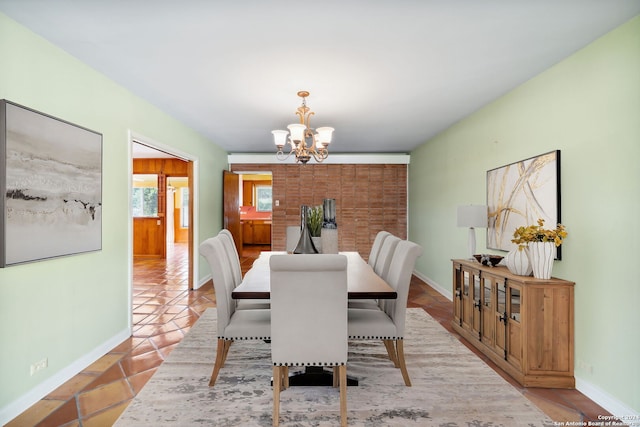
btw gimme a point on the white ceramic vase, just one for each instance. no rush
(541, 256)
(329, 238)
(517, 262)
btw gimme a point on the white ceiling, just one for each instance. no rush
(387, 75)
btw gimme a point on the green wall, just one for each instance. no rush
(588, 106)
(49, 308)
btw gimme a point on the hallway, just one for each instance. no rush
(164, 309)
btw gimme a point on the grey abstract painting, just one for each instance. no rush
(51, 186)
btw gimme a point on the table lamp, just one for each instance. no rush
(472, 216)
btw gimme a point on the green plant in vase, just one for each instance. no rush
(315, 217)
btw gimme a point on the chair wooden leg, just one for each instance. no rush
(336, 380)
(220, 352)
(277, 376)
(343, 395)
(227, 345)
(285, 377)
(403, 365)
(391, 351)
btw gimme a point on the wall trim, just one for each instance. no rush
(608, 402)
(35, 394)
(204, 281)
(446, 292)
(333, 159)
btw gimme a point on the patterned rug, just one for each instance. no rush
(451, 387)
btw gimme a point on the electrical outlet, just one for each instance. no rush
(38, 366)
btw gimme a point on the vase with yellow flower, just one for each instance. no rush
(540, 244)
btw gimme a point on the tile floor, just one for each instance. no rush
(163, 312)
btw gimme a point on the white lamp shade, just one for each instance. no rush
(297, 131)
(324, 135)
(280, 137)
(472, 216)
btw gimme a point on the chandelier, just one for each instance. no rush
(304, 143)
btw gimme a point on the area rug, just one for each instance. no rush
(451, 387)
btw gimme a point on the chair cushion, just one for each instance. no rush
(370, 324)
(249, 325)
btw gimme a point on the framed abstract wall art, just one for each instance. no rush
(50, 184)
(520, 193)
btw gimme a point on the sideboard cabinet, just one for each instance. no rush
(523, 324)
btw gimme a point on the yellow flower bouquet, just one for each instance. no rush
(537, 233)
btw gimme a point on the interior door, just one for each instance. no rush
(148, 237)
(231, 203)
(149, 215)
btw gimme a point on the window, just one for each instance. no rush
(263, 198)
(145, 195)
(184, 207)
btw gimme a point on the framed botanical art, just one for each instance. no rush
(51, 186)
(520, 193)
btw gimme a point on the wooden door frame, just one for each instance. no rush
(235, 228)
(192, 167)
(248, 171)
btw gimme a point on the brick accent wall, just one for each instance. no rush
(369, 198)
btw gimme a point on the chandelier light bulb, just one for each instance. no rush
(280, 137)
(324, 135)
(297, 131)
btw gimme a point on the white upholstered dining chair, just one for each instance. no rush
(236, 271)
(383, 260)
(232, 252)
(375, 247)
(308, 319)
(386, 322)
(374, 254)
(232, 324)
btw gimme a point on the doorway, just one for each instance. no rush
(168, 226)
(248, 209)
(177, 211)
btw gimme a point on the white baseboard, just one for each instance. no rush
(608, 402)
(202, 282)
(593, 392)
(444, 291)
(25, 401)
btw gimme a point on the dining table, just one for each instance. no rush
(362, 283)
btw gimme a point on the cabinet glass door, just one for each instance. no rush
(457, 294)
(500, 336)
(488, 320)
(514, 329)
(467, 301)
(477, 304)
(486, 295)
(466, 280)
(514, 299)
(501, 299)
